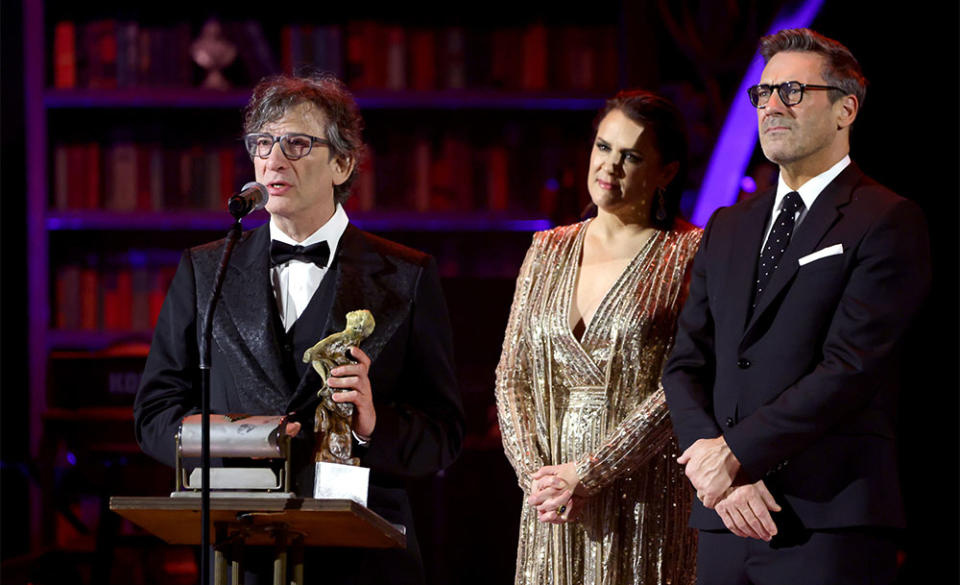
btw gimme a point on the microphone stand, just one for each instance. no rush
(205, 341)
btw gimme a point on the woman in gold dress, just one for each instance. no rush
(582, 414)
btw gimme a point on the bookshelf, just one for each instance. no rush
(478, 129)
(369, 99)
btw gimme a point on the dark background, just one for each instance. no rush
(906, 137)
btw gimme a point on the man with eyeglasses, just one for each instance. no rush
(291, 283)
(783, 382)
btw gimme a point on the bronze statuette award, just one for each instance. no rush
(338, 473)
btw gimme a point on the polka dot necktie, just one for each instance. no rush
(777, 241)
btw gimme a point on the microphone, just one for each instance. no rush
(252, 197)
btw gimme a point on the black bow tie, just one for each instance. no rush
(281, 253)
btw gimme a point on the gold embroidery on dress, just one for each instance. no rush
(598, 402)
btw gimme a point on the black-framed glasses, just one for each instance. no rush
(294, 145)
(790, 92)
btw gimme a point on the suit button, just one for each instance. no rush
(743, 364)
(288, 348)
(729, 421)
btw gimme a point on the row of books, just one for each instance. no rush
(425, 173)
(128, 176)
(112, 293)
(447, 173)
(375, 56)
(107, 54)
(123, 292)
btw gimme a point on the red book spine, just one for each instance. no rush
(68, 301)
(161, 282)
(123, 310)
(365, 189)
(535, 58)
(227, 173)
(375, 55)
(458, 155)
(356, 57)
(498, 188)
(103, 54)
(286, 57)
(423, 66)
(109, 294)
(506, 65)
(65, 55)
(91, 169)
(89, 298)
(77, 176)
(396, 58)
(140, 303)
(121, 167)
(607, 59)
(143, 181)
(61, 177)
(423, 171)
(453, 58)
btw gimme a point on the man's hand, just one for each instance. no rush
(711, 467)
(746, 511)
(356, 378)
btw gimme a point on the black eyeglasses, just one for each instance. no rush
(294, 146)
(790, 92)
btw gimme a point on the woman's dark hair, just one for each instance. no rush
(657, 113)
(273, 97)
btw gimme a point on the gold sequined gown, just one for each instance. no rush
(598, 402)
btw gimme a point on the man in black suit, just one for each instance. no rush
(783, 382)
(289, 284)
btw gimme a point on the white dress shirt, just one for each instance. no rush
(295, 282)
(809, 192)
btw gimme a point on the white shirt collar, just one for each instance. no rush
(812, 188)
(330, 231)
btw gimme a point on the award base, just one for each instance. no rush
(334, 481)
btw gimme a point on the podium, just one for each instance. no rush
(287, 524)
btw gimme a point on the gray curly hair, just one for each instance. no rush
(274, 96)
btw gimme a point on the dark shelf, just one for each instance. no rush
(60, 221)
(94, 340)
(90, 414)
(160, 97)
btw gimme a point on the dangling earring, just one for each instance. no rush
(661, 213)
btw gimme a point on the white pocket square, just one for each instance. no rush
(828, 251)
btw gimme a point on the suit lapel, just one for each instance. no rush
(746, 252)
(249, 303)
(821, 217)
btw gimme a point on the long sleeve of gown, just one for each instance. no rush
(514, 387)
(642, 435)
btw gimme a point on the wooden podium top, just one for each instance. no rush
(321, 522)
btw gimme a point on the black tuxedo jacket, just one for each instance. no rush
(256, 366)
(804, 387)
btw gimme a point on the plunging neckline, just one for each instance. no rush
(577, 253)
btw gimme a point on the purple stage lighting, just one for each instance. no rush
(737, 139)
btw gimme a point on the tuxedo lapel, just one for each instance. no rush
(369, 280)
(248, 303)
(365, 279)
(821, 217)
